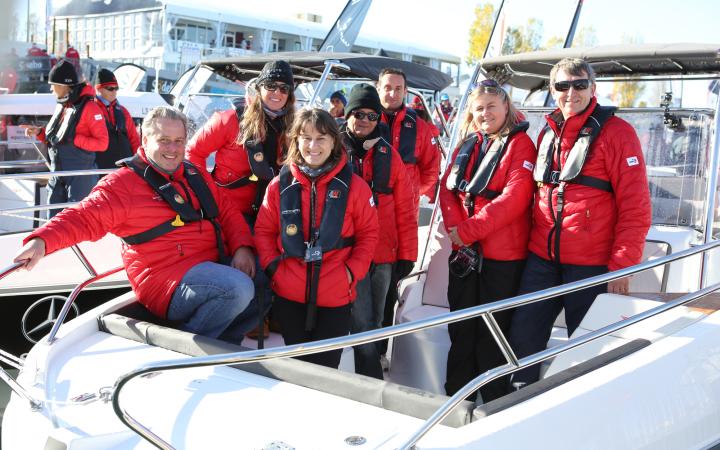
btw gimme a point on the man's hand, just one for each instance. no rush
(31, 130)
(455, 237)
(349, 275)
(31, 253)
(621, 286)
(244, 260)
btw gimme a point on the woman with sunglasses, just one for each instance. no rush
(373, 158)
(316, 234)
(485, 199)
(250, 138)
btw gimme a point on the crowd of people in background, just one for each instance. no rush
(313, 215)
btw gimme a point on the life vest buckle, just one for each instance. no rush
(462, 185)
(555, 177)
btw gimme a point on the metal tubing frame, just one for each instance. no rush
(410, 327)
(326, 72)
(59, 173)
(711, 194)
(71, 299)
(544, 355)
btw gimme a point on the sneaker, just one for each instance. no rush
(384, 363)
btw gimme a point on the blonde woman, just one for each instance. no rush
(485, 199)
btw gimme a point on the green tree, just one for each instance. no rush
(626, 93)
(585, 37)
(480, 32)
(553, 42)
(524, 38)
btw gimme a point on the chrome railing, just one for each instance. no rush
(59, 173)
(484, 311)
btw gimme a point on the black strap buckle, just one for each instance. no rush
(462, 185)
(555, 177)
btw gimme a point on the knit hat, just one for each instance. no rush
(105, 78)
(276, 71)
(363, 95)
(63, 73)
(339, 95)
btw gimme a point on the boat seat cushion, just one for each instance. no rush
(379, 393)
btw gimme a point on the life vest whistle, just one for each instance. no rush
(177, 222)
(253, 177)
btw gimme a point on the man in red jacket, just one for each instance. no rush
(123, 136)
(75, 133)
(415, 140)
(592, 208)
(176, 226)
(373, 158)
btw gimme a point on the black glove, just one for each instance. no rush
(403, 268)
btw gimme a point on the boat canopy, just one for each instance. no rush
(531, 70)
(310, 65)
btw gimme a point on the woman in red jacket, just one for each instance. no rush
(316, 234)
(250, 138)
(485, 199)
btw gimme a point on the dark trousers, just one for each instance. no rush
(391, 300)
(532, 324)
(472, 348)
(330, 323)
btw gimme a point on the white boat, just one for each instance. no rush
(642, 371)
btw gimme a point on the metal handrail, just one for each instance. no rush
(71, 299)
(384, 333)
(59, 173)
(14, 361)
(37, 208)
(513, 366)
(21, 163)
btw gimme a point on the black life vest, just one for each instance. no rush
(118, 141)
(183, 208)
(262, 165)
(408, 136)
(381, 164)
(485, 165)
(63, 123)
(325, 238)
(570, 171)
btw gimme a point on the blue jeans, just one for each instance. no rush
(215, 301)
(532, 324)
(367, 314)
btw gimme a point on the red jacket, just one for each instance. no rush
(123, 204)
(220, 134)
(598, 227)
(90, 132)
(501, 225)
(398, 222)
(361, 221)
(108, 113)
(425, 172)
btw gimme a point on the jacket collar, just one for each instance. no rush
(573, 124)
(323, 179)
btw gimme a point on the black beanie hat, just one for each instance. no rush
(63, 73)
(276, 71)
(363, 95)
(105, 78)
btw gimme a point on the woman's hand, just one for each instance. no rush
(455, 237)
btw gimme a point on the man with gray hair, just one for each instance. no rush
(591, 211)
(177, 229)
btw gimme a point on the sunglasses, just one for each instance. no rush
(112, 88)
(360, 115)
(272, 87)
(489, 83)
(578, 85)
